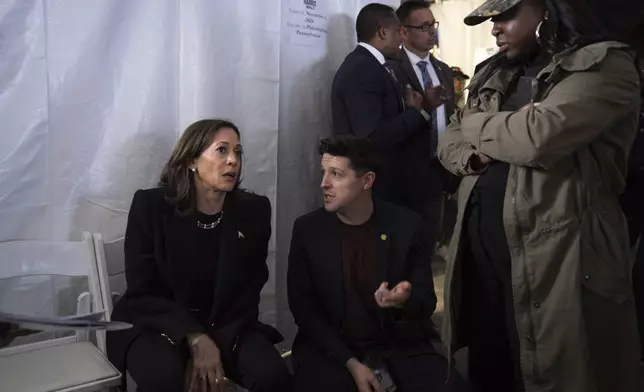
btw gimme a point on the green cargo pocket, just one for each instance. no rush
(605, 258)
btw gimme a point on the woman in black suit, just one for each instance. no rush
(195, 263)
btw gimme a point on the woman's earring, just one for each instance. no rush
(537, 32)
(193, 169)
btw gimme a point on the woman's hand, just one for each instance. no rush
(207, 370)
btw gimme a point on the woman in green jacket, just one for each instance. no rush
(538, 280)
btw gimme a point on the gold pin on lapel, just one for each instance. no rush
(383, 237)
(240, 234)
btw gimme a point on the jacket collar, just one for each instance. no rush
(500, 81)
(407, 67)
(414, 59)
(368, 50)
(575, 60)
(374, 52)
(581, 59)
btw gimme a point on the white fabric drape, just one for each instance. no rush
(94, 94)
(460, 45)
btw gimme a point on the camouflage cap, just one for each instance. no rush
(457, 72)
(489, 9)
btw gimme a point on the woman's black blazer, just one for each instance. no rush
(158, 240)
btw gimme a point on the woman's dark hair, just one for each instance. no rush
(623, 20)
(177, 176)
(570, 25)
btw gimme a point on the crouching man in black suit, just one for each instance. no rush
(360, 286)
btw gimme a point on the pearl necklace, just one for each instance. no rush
(210, 226)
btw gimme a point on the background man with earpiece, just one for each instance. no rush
(367, 99)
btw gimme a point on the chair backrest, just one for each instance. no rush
(49, 278)
(110, 263)
(110, 258)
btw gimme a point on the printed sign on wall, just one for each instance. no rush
(307, 22)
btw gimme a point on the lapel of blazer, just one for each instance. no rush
(396, 84)
(382, 237)
(444, 75)
(439, 71)
(180, 243)
(408, 69)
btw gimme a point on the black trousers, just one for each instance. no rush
(315, 372)
(488, 311)
(158, 366)
(633, 206)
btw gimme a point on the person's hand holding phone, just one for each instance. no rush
(363, 377)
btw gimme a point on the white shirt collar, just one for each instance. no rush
(414, 59)
(375, 52)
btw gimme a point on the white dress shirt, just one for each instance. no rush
(375, 52)
(441, 115)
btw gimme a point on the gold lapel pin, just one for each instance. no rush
(383, 237)
(240, 234)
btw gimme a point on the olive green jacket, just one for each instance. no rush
(571, 266)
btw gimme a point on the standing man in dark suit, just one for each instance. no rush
(360, 286)
(367, 101)
(425, 180)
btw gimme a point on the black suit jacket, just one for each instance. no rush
(366, 101)
(158, 239)
(425, 178)
(316, 286)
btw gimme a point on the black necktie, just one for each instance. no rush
(391, 72)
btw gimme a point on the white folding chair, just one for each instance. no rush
(30, 273)
(110, 265)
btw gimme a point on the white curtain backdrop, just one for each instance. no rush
(461, 45)
(94, 94)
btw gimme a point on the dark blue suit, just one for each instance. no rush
(367, 101)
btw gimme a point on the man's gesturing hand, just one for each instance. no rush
(393, 298)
